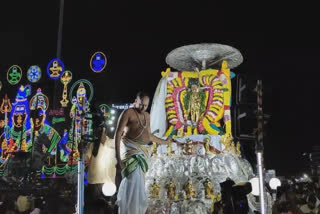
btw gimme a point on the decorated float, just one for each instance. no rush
(192, 105)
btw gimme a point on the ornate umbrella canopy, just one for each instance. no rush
(203, 56)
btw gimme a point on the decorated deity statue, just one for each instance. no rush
(209, 189)
(188, 147)
(189, 189)
(171, 190)
(233, 148)
(238, 149)
(194, 106)
(227, 141)
(207, 146)
(154, 148)
(155, 190)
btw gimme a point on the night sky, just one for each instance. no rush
(279, 43)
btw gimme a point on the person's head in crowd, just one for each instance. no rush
(311, 201)
(10, 211)
(291, 195)
(285, 208)
(23, 204)
(98, 206)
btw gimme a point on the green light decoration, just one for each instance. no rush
(14, 74)
(0, 85)
(108, 114)
(58, 120)
(56, 170)
(105, 109)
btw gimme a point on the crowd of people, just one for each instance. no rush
(58, 199)
(298, 198)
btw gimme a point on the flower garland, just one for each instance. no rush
(215, 98)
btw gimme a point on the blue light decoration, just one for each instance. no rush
(65, 151)
(55, 69)
(14, 74)
(98, 62)
(86, 179)
(34, 73)
(19, 125)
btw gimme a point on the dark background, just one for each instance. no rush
(279, 43)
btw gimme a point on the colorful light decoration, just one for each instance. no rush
(106, 110)
(56, 170)
(20, 122)
(5, 108)
(66, 78)
(34, 73)
(40, 102)
(80, 105)
(14, 74)
(108, 114)
(78, 83)
(55, 69)
(98, 62)
(0, 85)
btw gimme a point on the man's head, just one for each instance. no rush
(142, 101)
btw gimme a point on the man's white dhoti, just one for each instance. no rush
(132, 197)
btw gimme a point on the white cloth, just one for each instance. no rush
(158, 116)
(305, 209)
(102, 167)
(36, 211)
(132, 197)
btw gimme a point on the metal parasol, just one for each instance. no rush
(203, 56)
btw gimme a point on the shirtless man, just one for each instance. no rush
(135, 122)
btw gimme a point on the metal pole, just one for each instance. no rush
(261, 183)
(59, 41)
(59, 50)
(80, 197)
(80, 202)
(259, 148)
